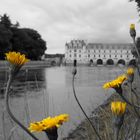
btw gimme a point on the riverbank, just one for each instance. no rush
(102, 119)
(98, 116)
(30, 65)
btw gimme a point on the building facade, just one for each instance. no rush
(98, 53)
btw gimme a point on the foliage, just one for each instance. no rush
(24, 40)
(138, 4)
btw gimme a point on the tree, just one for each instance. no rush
(5, 20)
(5, 44)
(37, 45)
(24, 40)
(29, 42)
(138, 4)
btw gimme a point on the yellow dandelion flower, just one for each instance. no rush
(37, 126)
(121, 78)
(106, 85)
(130, 71)
(118, 108)
(112, 84)
(16, 58)
(62, 118)
(115, 83)
(132, 26)
(49, 123)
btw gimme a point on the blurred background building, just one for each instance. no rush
(98, 53)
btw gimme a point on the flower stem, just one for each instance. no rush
(83, 109)
(128, 102)
(52, 134)
(116, 133)
(136, 47)
(9, 110)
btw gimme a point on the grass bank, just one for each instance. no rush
(31, 64)
(102, 119)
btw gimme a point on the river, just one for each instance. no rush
(38, 93)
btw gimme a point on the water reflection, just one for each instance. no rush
(27, 79)
(40, 93)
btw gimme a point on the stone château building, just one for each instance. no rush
(98, 53)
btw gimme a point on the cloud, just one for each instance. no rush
(59, 21)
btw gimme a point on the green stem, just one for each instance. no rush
(52, 134)
(9, 110)
(136, 47)
(128, 102)
(133, 102)
(83, 109)
(116, 133)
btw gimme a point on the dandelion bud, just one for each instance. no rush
(132, 31)
(74, 71)
(130, 71)
(118, 108)
(132, 27)
(74, 63)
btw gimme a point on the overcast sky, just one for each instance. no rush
(59, 21)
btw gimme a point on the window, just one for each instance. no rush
(70, 51)
(75, 55)
(110, 56)
(74, 50)
(88, 55)
(79, 55)
(70, 55)
(89, 51)
(94, 56)
(79, 51)
(99, 55)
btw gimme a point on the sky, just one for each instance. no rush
(60, 21)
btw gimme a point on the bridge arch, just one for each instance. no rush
(121, 61)
(110, 62)
(99, 62)
(132, 62)
(91, 61)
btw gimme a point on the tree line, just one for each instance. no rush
(25, 40)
